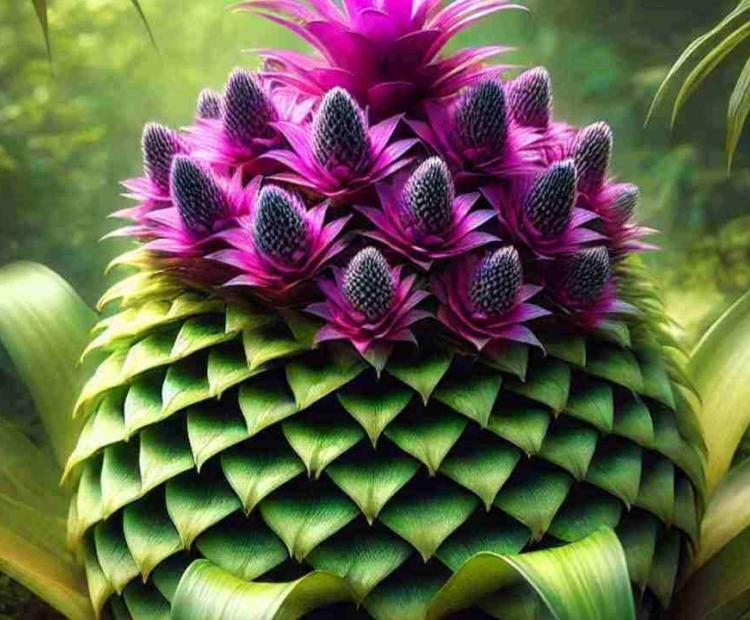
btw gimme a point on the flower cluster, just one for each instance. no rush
(383, 183)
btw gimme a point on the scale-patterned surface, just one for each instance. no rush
(218, 432)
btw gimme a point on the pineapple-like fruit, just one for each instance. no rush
(377, 347)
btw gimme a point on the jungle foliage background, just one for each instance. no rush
(70, 129)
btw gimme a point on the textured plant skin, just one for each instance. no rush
(374, 329)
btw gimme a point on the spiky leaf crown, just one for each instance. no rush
(429, 195)
(368, 283)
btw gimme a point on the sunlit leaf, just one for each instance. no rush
(739, 106)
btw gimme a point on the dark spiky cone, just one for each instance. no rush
(530, 98)
(592, 152)
(278, 229)
(550, 200)
(368, 284)
(586, 274)
(160, 146)
(209, 104)
(497, 281)
(248, 111)
(339, 133)
(199, 199)
(429, 195)
(481, 117)
(626, 203)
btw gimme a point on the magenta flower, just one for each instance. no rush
(540, 213)
(484, 301)
(583, 284)
(422, 219)
(476, 134)
(279, 246)
(338, 153)
(384, 52)
(370, 305)
(233, 131)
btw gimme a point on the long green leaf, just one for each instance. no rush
(585, 580)
(719, 368)
(739, 106)
(44, 326)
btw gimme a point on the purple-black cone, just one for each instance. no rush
(160, 146)
(198, 197)
(368, 283)
(248, 113)
(481, 117)
(626, 203)
(209, 104)
(549, 203)
(339, 133)
(530, 98)
(428, 197)
(278, 229)
(592, 152)
(496, 282)
(586, 275)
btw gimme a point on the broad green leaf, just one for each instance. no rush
(303, 521)
(363, 561)
(524, 427)
(244, 548)
(213, 428)
(426, 520)
(319, 440)
(548, 382)
(374, 405)
(519, 602)
(207, 591)
(44, 327)
(40, 7)
(719, 368)
(253, 474)
(265, 402)
(739, 106)
(372, 480)
(471, 392)
(315, 377)
(586, 580)
(421, 371)
(593, 403)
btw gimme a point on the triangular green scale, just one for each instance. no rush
(167, 575)
(426, 520)
(151, 352)
(319, 439)
(548, 382)
(616, 332)
(189, 304)
(405, 599)
(584, 512)
(482, 467)
(113, 554)
(518, 601)
(685, 509)
(143, 405)
(656, 493)
(471, 392)
(245, 317)
(227, 367)
(374, 405)
(569, 348)
(421, 371)
(671, 444)
(593, 403)
(150, 535)
(616, 468)
(571, 446)
(185, 384)
(315, 376)
(165, 453)
(523, 426)
(427, 434)
(534, 498)
(615, 364)
(254, 473)
(492, 533)
(196, 503)
(89, 506)
(633, 420)
(245, 548)
(512, 357)
(637, 534)
(303, 327)
(269, 343)
(121, 480)
(145, 602)
(200, 333)
(663, 574)
(212, 428)
(106, 376)
(304, 520)
(264, 402)
(656, 382)
(363, 561)
(372, 480)
(99, 587)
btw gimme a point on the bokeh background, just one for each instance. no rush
(70, 130)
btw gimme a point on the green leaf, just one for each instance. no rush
(664, 569)
(405, 599)
(719, 369)
(616, 468)
(421, 371)
(586, 580)
(739, 106)
(571, 349)
(227, 367)
(230, 598)
(656, 493)
(426, 520)
(165, 453)
(199, 333)
(185, 384)
(113, 553)
(44, 327)
(593, 403)
(304, 520)
(213, 428)
(120, 479)
(374, 405)
(142, 405)
(145, 601)
(265, 402)
(548, 383)
(571, 446)
(40, 7)
(638, 536)
(524, 427)
(633, 420)
(268, 343)
(317, 376)
(472, 392)
(584, 513)
(615, 364)
(512, 358)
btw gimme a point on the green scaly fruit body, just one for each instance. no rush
(217, 430)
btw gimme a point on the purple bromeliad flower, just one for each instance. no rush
(422, 219)
(540, 212)
(338, 153)
(279, 246)
(370, 305)
(484, 301)
(386, 53)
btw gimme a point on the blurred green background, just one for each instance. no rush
(70, 131)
